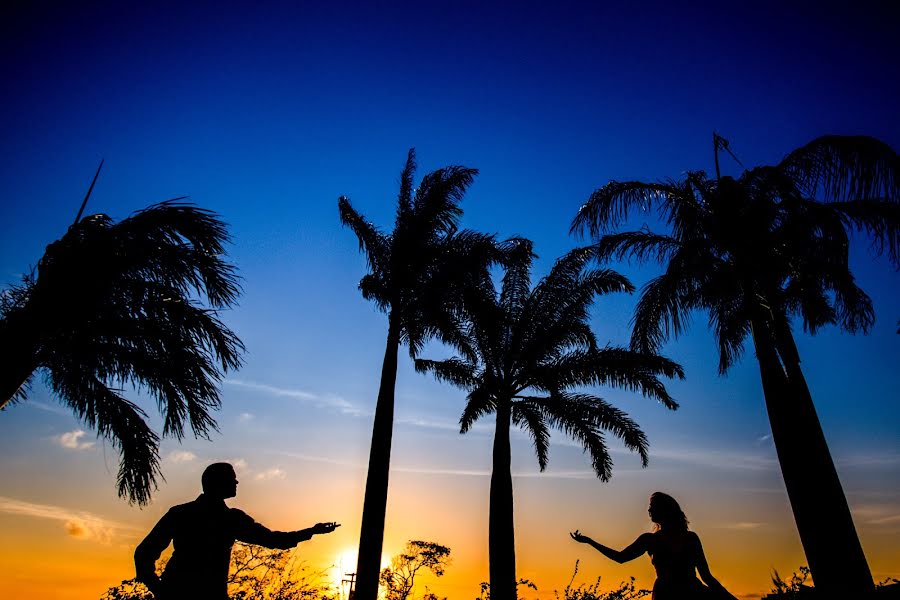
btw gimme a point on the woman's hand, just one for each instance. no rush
(581, 539)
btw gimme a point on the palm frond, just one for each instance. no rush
(878, 219)
(404, 197)
(610, 205)
(119, 304)
(452, 370)
(613, 367)
(436, 202)
(639, 245)
(479, 402)
(525, 415)
(119, 421)
(663, 310)
(602, 415)
(857, 167)
(372, 242)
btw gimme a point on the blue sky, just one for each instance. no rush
(266, 114)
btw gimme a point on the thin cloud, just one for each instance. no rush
(430, 471)
(417, 422)
(884, 520)
(273, 473)
(81, 525)
(326, 401)
(47, 407)
(694, 456)
(743, 525)
(320, 459)
(245, 416)
(180, 456)
(71, 440)
(885, 460)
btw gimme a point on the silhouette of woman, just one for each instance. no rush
(675, 551)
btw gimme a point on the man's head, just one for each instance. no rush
(219, 481)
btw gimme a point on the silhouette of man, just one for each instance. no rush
(203, 532)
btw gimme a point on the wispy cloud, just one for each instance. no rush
(332, 401)
(273, 473)
(884, 520)
(877, 514)
(433, 471)
(180, 456)
(743, 525)
(320, 459)
(717, 459)
(78, 524)
(71, 439)
(245, 416)
(875, 460)
(59, 410)
(751, 460)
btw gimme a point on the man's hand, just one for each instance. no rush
(319, 528)
(580, 538)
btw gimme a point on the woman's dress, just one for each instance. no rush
(675, 555)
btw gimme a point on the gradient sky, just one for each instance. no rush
(266, 114)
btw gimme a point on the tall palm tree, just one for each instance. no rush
(521, 354)
(116, 303)
(416, 275)
(754, 253)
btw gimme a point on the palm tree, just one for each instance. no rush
(753, 253)
(116, 303)
(520, 356)
(416, 275)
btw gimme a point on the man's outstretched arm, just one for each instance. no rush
(252, 532)
(148, 552)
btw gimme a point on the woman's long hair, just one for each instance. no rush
(667, 514)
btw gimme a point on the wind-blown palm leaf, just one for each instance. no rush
(611, 204)
(133, 321)
(858, 167)
(639, 245)
(453, 371)
(878, 220)
(526, 416)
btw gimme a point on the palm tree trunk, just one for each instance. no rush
(501, 530)
(371, 535)
(814, 491)
(836, 559)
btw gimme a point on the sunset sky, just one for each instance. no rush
(266, 114)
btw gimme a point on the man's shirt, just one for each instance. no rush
(203, 532)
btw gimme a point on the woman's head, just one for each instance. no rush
(665, 512)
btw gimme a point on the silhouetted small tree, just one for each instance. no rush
(793, 587)
(626, 590)
(399, 579)
(256, 573)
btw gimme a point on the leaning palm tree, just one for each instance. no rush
(417, 273)
(521, 357)
(117, 303)
(754, 253)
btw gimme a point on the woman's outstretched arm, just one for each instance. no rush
(638, 547)
(703, 570)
